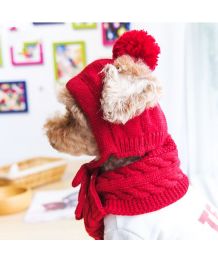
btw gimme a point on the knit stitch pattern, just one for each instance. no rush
(147, 185)
(151, 183)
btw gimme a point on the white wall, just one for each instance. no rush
(21, 135)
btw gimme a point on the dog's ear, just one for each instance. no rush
(70, 133)
(63, 96)
(126, 93)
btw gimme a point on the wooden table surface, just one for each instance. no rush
(14, 226)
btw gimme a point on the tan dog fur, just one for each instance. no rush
(71, 133)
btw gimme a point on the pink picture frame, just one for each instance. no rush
(28, 53)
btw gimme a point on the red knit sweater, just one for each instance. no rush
(146, 185)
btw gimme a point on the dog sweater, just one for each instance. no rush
(146, 185)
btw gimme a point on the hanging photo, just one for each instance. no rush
(112, 31)
(13, 97)
(69, 59)
(27, 53)
(84, 25)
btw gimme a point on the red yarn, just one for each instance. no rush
(143, 186)
(139, 45)
(139, 135)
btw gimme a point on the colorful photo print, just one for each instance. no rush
(84, 25)
(27, 53)
(112, 31)
(13, 97)
(69, 59)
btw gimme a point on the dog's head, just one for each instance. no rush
(128, 88)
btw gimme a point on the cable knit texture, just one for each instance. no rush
(146, 185)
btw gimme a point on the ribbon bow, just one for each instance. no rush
(88, 199)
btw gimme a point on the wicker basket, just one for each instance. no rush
(34, 172)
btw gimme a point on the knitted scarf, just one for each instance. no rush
(149, 184)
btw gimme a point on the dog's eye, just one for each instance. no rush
(119, 69)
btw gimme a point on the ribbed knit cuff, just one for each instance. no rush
(140, 145)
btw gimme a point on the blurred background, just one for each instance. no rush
(36, 58)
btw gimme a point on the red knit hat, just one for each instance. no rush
(138, 135)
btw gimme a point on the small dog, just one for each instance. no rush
(72, 134)
(129, 90)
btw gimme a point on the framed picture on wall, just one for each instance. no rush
(69, 59)
(13, 97)
(27, 53)
(84, 25)
(112, 31)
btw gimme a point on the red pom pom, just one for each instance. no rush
(139, 45)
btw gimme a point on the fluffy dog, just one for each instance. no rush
(134, 188)
(129, 88)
